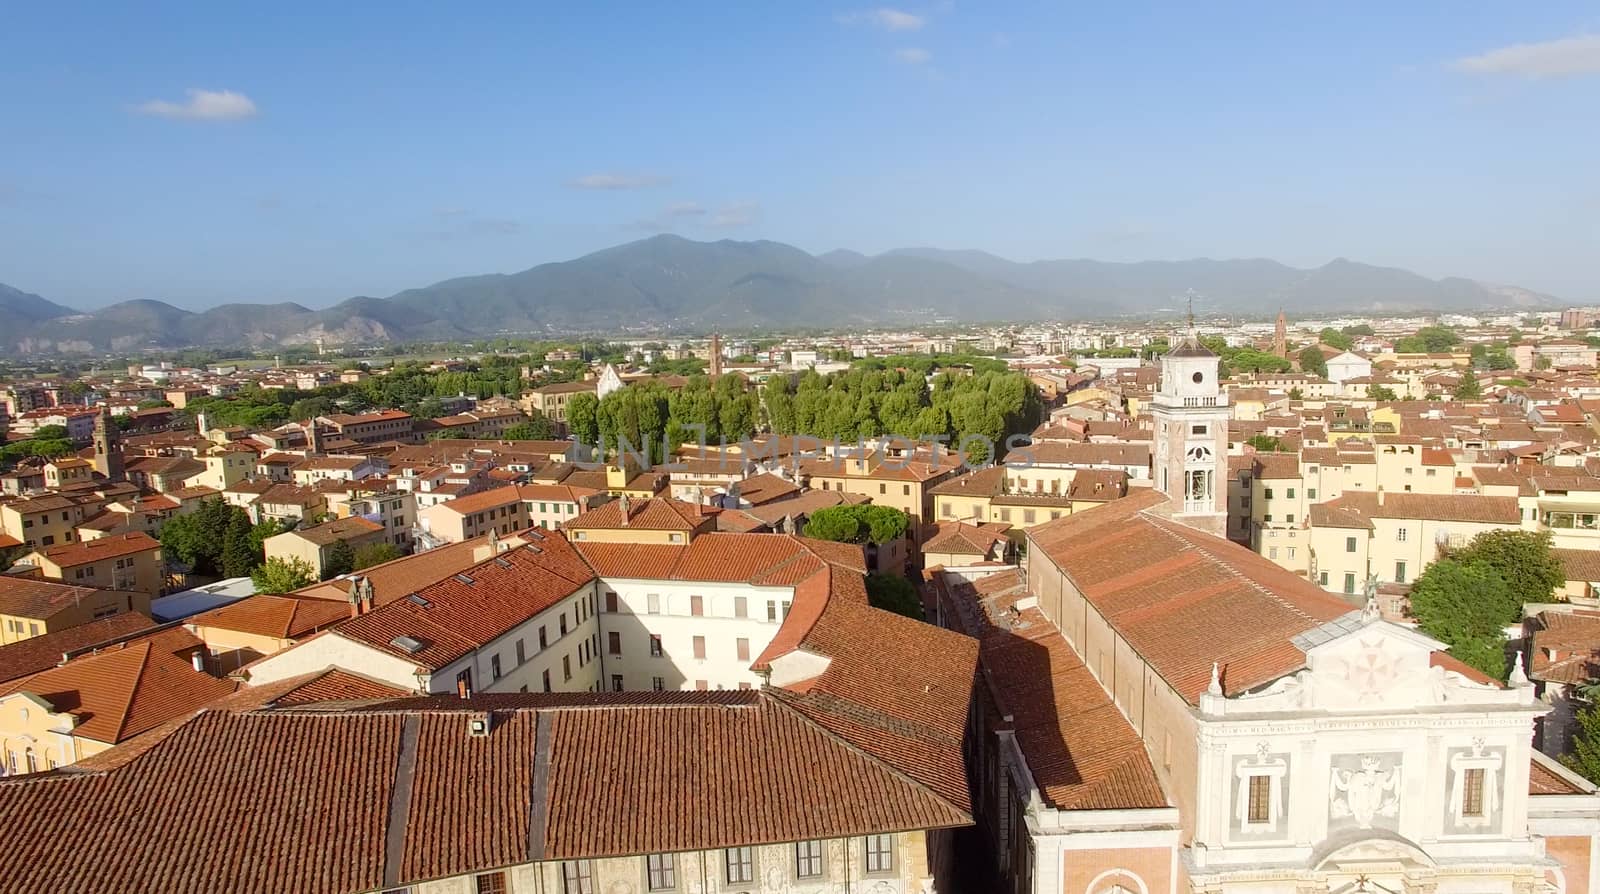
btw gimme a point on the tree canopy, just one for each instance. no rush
(1312, 361)
(215, 539)
(1429, 340)
(537, 428)
(370, 554)
(1467, 599)
(859, 523)
(279, 576)
(1334, 338)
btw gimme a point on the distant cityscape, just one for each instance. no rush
(1109, 606)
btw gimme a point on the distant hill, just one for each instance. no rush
(671, 282)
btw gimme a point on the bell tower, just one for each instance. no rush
(1191, 436)
(107, 450)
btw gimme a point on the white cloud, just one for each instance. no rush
(202, 105)
(1549, 59)
(736, 214)
(913, 55)
(618, 181)
(885, 18)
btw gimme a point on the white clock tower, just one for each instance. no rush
(1191, 437)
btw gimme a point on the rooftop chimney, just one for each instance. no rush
(199, 660)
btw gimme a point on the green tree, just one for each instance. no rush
(239, 555)
(1429, 340)
(1358, 329)
(50, 433)
(197, 539)
(1296, 394)
(1265, 443)
(1466, 606)
(1522, 558)
(836, 523)
(1585, 757)
(276, 575)
(1312, 361)
(341, 559)
(893, 593)
(1334, 338)
(538, 428)
(1468, 388)
(583, 418)
(371, 554)
(1382, 392)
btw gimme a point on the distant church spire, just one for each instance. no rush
(716, 355)
(1280, 336)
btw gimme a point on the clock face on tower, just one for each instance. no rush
(1199, 377)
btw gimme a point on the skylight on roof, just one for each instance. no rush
(464, 579)
(408, 643)
(417, 598)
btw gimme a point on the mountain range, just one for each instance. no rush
(671, 283)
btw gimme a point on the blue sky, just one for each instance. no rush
(224, 152)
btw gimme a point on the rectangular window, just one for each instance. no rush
(905, 490)
(658, 684)
(1260, 800)
(1400, 535)
(1291, 552)
(697, 606)
(1027, 516)
(1289, 519)
(614, 640)
(743, 648)
(700, 647)
(1198, 430)
(1272, 552)
(660, 872)
(1268, 493)
(563, 623)
(655, 645)
(566, 667)
(1349, 544)
(880, 853)
(883, 488)
(653, 603)
(1349, 583)
(546, 681)
(522, 652)
(543, 640)
(611, 602)
(577, 877)
(1290, 493)
(1399, 572)
(741, 607)
(494, 666)
(772, 610)
(739, 864)
(1311, 493)
(808, 859)
(1472, 792)
(490, 883)
(1322, 578)
(616, 682)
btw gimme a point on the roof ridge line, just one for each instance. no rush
(895, 771)
(137, 683)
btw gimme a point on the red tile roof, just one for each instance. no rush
(1167, 588)
(280, 617)
(38, 653)
(656, 514)
(1081, 750)
(128, 688)
(327, 817)
(116, 546)
(32, 598)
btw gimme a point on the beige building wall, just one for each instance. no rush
(225, 468)
(773, 868)
(30, 728)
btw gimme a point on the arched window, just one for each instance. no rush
(1117, 881)
(33, 762)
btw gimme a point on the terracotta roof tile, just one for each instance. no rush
(39, 653)
(280, 617)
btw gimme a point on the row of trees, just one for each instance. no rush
(643, 414)
(871, 403)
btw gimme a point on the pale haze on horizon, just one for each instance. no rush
(210, 154)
